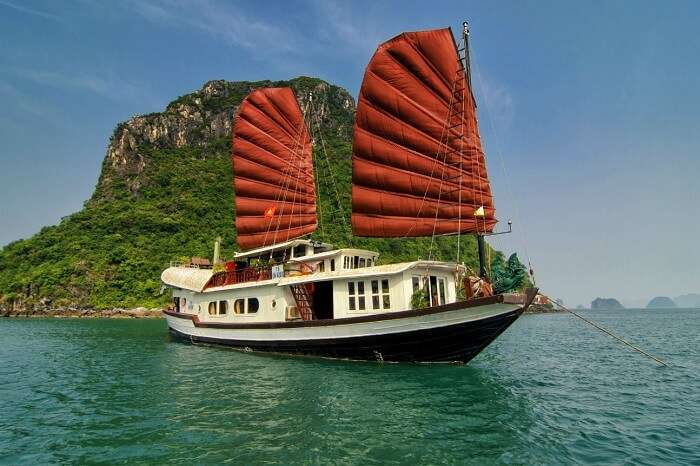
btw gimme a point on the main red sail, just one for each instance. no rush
(273, 173)
(417, 154)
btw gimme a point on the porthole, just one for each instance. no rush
(274, 303)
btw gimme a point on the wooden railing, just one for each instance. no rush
(250, 274)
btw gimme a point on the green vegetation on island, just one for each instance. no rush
(165, 191)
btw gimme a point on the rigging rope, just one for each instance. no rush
(606, 331)
(445, 135)
(282, 194)
(316, 118)
(509, 192)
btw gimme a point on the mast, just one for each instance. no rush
(480, 241)
(467, 58)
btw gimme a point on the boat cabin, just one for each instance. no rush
(306, 280)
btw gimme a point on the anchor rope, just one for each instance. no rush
(606, 331)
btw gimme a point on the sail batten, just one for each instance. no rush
(418, 162)
(273, 170)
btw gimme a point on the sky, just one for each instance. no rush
(589, 112)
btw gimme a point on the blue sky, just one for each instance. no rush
(590, 111)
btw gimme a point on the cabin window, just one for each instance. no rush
(361, 296)
(362, 262)
(380, 296)
(375, 294)
(322, 266)
(239, 306)
(416, 283)
(281, 255)
(299, 251)
(386, 299)
(332, 265)
(436, 290)
(177, 304)
(183, 304)
(223, 307)
(351, 296)
(356, 262)
(253, 305)
(212, 308)
(356, 296)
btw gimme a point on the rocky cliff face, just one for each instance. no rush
(164, 192)
(201, 118)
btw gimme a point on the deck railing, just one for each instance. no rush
(249, 274)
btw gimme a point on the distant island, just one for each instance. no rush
(607, 304)
(690, 300)
(661, 302)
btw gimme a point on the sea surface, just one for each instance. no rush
(550, 390)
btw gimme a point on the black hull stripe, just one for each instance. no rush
(453, 343)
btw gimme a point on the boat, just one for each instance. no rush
(418, 170)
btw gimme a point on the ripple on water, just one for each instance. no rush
(549, 391)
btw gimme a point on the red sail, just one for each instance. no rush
(417, 154)
(273, 173)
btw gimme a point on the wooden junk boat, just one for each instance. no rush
(418, 169)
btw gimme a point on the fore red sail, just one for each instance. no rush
(273, 173)
(417, 155)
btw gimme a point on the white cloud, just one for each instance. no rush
(109, 86)
(338, 22)
(497, 102)
(21, 100)
(30, 11)
(221, 20)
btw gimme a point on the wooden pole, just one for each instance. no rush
(482, 255)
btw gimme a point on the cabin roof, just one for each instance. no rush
(194, 279)
(375, 271)
(187, 278)
(276, 247)
(334, 253)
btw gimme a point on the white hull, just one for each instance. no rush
(454, 332)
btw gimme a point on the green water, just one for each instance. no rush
(549, 391)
